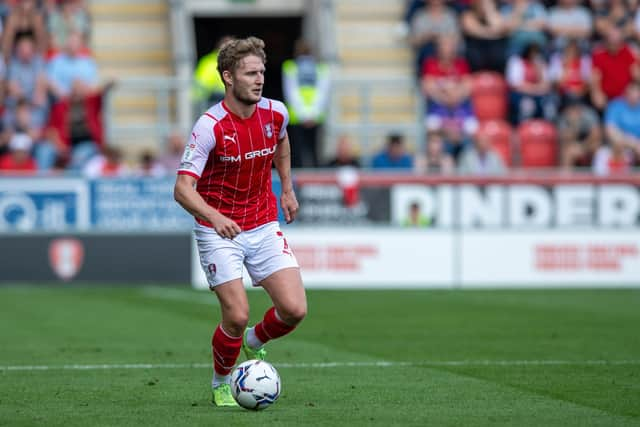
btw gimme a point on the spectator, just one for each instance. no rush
(75, 127)
(481, 158)
(24, 20)
(172, 157)
(306, 94)
(413, 7)
(19, 157)
(73, 69)
(485, 35)
(107, 164)
(526, 22)
(416, 218)
(622, 119)
(570, 72)
(436, 159)
(208, 84)
(531, 91)
(394, 156)
(345, 154)
(614, 66)
(24, 119)
(612, 159)
(70, 16)
(428, 23)
(579, 134)
(613, 13)
(569, 20)
(26, 76)
(446, 84)
(149, 166)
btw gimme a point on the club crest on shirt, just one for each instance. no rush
(268, 130)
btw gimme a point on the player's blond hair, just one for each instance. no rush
(234, 50)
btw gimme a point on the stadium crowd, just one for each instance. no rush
(51, 94)
(506, 83)
(528, 83)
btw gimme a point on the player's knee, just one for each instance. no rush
(293, 314)
(237, 323)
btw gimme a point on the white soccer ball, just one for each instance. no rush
(255, 384)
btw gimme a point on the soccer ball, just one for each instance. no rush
(255, 384)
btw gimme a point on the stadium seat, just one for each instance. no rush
(538, 144)
(500, 133)
(489, 96)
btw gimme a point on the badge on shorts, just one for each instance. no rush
(211, 271)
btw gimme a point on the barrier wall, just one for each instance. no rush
(113, 258)
(515, 231)
(520, 230)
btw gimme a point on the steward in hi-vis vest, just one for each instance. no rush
(306, 92)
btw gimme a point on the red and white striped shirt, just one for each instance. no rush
(231, 159)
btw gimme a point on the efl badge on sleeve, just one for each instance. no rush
(65, 257)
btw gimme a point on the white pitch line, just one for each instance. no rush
(328, 365)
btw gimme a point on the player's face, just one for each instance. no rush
(248, 80)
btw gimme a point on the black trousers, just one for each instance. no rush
(304, 146)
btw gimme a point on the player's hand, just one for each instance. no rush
(289, 205)
(225, 227)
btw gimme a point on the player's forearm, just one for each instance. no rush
(192, 202)
(282, 161)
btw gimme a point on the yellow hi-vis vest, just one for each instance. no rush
(207, 79)
(306, 95)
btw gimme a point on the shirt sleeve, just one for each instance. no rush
(200, 144)
(281, 109)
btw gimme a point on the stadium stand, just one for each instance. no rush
(538, 144)
(374, 69)
(489, 96)
(500, 134)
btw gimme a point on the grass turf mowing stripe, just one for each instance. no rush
(325, 365)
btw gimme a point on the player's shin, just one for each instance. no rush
(226, 350)
(269, 328)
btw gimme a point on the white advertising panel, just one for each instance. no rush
(550, 258)
(367, 258)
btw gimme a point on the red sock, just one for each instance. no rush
(226, 350)
(271, 327)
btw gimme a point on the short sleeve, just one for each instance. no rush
(279, 108)
(199, 146)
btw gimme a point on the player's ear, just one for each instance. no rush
(227, 77)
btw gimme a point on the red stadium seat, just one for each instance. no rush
(489, 96)
(538, 144)
(499, 133)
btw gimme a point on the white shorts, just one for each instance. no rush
(263, 250)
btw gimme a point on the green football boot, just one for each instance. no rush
(221, 396)
(259, 354)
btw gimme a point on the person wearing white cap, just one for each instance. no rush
(19, 156)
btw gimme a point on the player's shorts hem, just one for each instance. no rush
(258, 282)
(212, 287)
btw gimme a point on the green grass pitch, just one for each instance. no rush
(452, 358)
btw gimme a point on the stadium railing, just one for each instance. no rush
(372, 119)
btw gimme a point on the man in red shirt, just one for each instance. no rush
(224, 180)
(614, 66)
(446, 85)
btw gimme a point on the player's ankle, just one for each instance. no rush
(252, 340)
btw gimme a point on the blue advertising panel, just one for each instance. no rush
(43, 204)
(137, 204)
